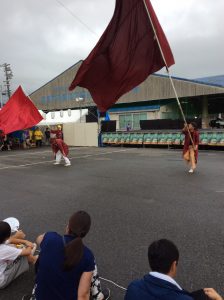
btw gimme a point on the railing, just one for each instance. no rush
(163, 137)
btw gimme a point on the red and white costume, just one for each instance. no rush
(58, 133)
(60, 150)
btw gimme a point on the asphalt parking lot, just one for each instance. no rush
(134, 197)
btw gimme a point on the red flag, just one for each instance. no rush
(18, 113)
(126, 54)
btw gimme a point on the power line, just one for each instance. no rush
(76, 17)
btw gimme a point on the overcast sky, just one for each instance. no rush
(41, 39)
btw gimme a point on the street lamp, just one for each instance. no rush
(52, 115)
(69, 112)
(61, 113)
(79, 100)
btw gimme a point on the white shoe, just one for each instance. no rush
(67, 164)
(191, 171)
(56, 163)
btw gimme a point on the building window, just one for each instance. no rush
(133, 119)
(137, 118)
(124, 120)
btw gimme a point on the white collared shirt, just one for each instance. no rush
(165, 277)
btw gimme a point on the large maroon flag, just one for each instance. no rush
(18, 113)
(126, 54)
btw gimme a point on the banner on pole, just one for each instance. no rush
(19, 113)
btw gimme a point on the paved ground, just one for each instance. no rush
(134, 197)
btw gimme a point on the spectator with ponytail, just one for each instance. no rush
(65, 266)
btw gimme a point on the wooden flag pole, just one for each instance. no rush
(170, 77)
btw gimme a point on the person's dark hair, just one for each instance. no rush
(78, 226)
(161, 255)
(5, 231)
(194, 125)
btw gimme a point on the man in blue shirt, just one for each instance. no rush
(159, 284)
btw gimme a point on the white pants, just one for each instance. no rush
(14, 269)
(59, 156)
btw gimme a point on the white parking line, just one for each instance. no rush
(39, 152)
(50, 161)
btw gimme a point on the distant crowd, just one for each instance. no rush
(28, 138)
(66, 269)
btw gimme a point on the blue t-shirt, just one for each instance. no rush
(153, 288)
(52, 282)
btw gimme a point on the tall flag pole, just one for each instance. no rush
(167, 67)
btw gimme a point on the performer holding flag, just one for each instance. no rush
(60, 149)
(191, 141)
(132, 47)
(58, 132)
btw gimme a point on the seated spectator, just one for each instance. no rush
(13, 260)
(65, 267)
(26, 139)
(159, 284)
(4, 141)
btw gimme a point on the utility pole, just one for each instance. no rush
(8, 76)
(79, 100)
(2, 93)
(1, 99)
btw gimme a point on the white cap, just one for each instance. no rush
(13, 223)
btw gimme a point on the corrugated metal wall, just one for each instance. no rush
(55, 95)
